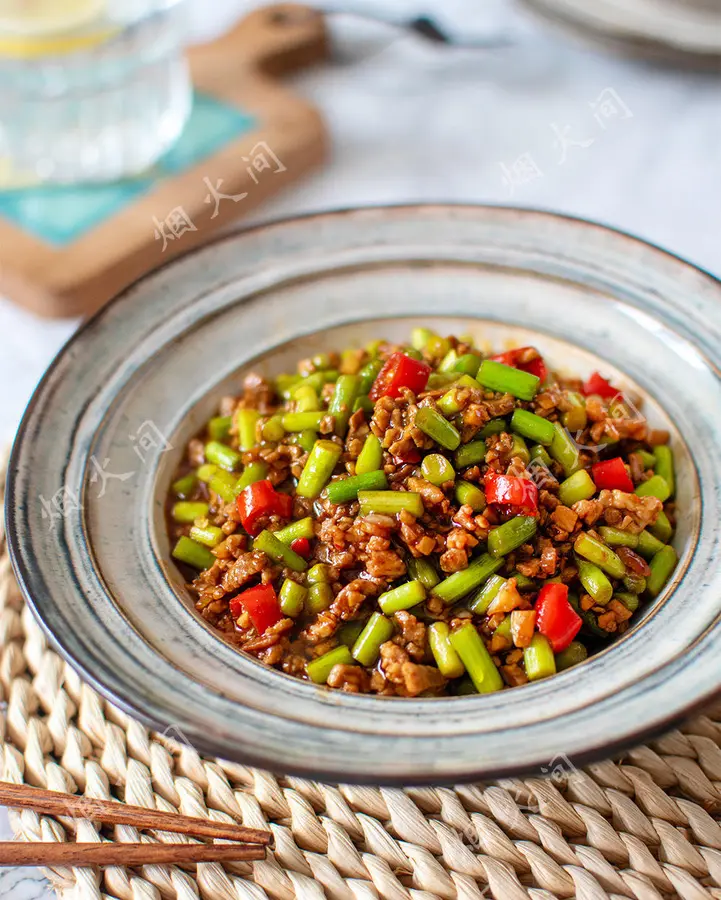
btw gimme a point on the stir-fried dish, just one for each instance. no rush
(424, 519)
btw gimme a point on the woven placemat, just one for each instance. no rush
(644, 827)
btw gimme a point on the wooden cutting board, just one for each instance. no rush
(65, 251)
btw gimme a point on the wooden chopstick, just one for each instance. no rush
(111, 854)
(55, 803)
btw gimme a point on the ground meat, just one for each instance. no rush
(588, 510)
(241, 570)
(638, 512)
(409, 678)
(350, 598)
(385, 564)
(351, 679)
(412, 636)
(565, 518)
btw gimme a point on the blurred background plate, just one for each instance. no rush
(678, 32)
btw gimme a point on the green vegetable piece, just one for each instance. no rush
(465, 687)
(269, 544)
(520, 449)
(320, 597)
(533, 427)
(222, 456)
(541, 454)
(436, 469)
(348, 634)
(423, 570)
(318, 468)
(367, 647)
(468, 363)
(208, 535)
(219, 427)
(471, 454)
(468, 494)
(390, 502)
(193, 554)
(346, 489)
(255, 471)
(634, 583)
(665, 467)
(461, 583)
(599, 554)
(449, 404)
(504, 629)
(437, 346)
(303, 421)
(495, 426)
(368, 375)
(420, 337)
(448, 661)
(273, 430)
(184, 486)
(402, 597)
(292, 598)
(318, 573)
(564, 450)
(662, 565)
(347, 388)
(648, 544)
(629, 600)
(245, 424)
(578, 486)
(365, 403)
(285, 383)
(538, 659)
(595, 582)
(205, 472)
(469, 646)
(656, 486)
(448, 363)
(306, 399)
(185, 512)
(662, 528)
(524, 583)
(438, 380)
(574, 654)
(511, 535)
(319, 669)
(432, 423)
(507, 380)
(370, 458)
(302, 528)
(224, 485)
(575, 419)
(648, 460)
(614, 537)
(486, 594)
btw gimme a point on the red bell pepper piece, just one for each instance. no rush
(511, 358)
(261, 499)
(611, 475)
(261, 604)
(536, 367)
(400, 371)
(301, 546)
(508, 490)
(555, 617)
(597, 384)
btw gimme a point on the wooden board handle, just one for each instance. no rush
(275, 39)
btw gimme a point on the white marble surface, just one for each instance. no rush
(411, 121)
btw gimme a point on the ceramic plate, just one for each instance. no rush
(680, 32)
(106, 427)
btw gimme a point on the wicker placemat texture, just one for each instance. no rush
(645, 827)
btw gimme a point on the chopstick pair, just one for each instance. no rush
(251, 846)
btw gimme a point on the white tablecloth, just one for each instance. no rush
(545, 122)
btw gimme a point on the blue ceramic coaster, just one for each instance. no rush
(60, 215)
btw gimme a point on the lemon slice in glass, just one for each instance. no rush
(33, 28)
